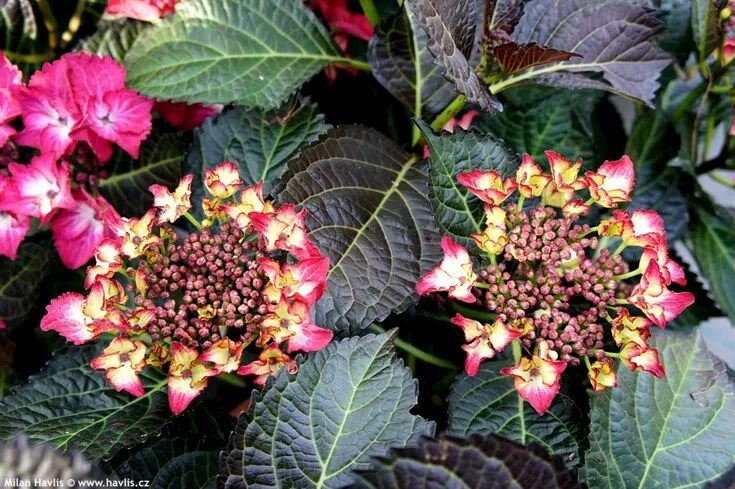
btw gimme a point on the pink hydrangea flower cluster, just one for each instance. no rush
(552, 287)
(248, 276)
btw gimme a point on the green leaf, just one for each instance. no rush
(712, 235)
(673, 432)
(252, 52)
(22, 37)
(73, 407)
(459, 213)
(615, 39)
(369, 212)
(401, 63)
(705, 26)
(652, 143)
(451, 35)
(488, 404)
(545, 118)
(21, 280)
(161, 156)
(676, 37)
(703, 308)
(348, 403)
(261, 143)
(193, 470)
(114, 38)
(476, 462)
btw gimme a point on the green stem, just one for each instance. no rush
(449, 112)
(368, 7)
(472, 313)
(418, 353)
(628, 275)
(619, 249)
(521, 200)
(354, 63)
(193, 221)
(481, 285)
(49, 20)
(516, 348)
(720, 178)
(233, 379)
(587, 362)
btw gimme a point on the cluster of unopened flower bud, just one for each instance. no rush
(550, 285)
(247, 277)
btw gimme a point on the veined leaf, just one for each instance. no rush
(21, 279)
(21, 40)
(475, 462)
(160, 161)
(451, 30)
(193, 470)
(712, 237)
(73, 407)
(261, 143)
(706, 25)
(252, 52)
(673, 432)
(614, 38)
(113, 39)
(457, 212)
(404, 66)
(488, 404)
(369, 212)
(664, 193)
(514, 57)
(503, 15)
(348, 403)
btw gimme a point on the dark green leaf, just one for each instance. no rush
(451, 30)
(160, 161)
(369, 212)
(193, 470)
(113, 39)
(673, 432)
(348, 403)
(21, 279)
(252, 52)
(459, 213)
(676, 37)
(479, 462)
(488, 404)
(706, 26)
(712, 237)
(702, 309)
(22, 37)
(664, 194)
(652, 143)
(73, 407)
(404, 66)
(261, 143)
(613, 38)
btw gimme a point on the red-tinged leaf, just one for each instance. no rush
(514, 57)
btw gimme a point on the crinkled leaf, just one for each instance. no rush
(673, 432)
(21, 39)
(503, 15)
(488, 404)
(261, 143)
(193, 470)
(161, 156)
(514, 57)
(664, 194)
(614, 38)
(451, 30)
(252, 52)
(348, 403)
(712, 235)
(542, 118)
(458, 213)
(369, 212)
(477, 462)
(21, 279)
(113, 38)
(706, 25)
(73, 407)
(401, 63)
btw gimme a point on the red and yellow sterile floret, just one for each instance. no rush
(195, 305)
(554, 288)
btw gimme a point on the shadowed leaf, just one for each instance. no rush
(514, 57)
(21, 280)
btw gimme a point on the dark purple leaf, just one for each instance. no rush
(514, 57)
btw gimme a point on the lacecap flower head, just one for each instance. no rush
(246, 280)
(551, 285)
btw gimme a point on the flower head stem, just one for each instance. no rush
(193, 220)
(473, 313)
(418, 353)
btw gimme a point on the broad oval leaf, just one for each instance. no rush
(114, 38)
(73, 407)
(488, 404)
(673, 432)
(193, 470)
(513, 57)
(401, 63)
(21, 280)
(160, 161)
(477, 462)
(614, 38)
(451, 28)
(252, 52)
(261, 143)
(348, 403)
(712, 237)
(458, 213)
(666, 194)
(369, 212)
